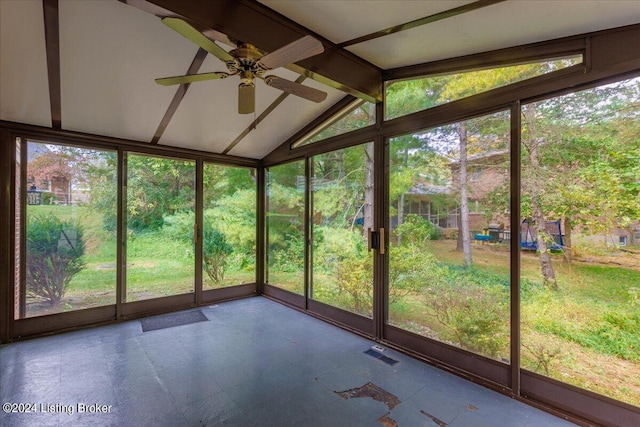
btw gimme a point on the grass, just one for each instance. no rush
(586, 334)
(156, 265)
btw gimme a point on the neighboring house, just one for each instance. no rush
(440, 203)
(486, 172)
(54, 187)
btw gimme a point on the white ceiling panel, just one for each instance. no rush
(24, 86)
(340, 21)
(110, 54)
(501, 25)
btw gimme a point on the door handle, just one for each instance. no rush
(375, 240)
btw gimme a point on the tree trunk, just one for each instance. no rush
(405, 163)
(340, 164)
(368, 189)
(542, 237)
(463, 230)
(568, 243)
(534, 187)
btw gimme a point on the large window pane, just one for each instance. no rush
(70, 229)
(160, 227)
(229, 229)
(285, 226)
(409, 96)
(450, 232)
(581, 270)
(342, 212)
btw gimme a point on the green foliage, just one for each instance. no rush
(361, 116)
(409, 96)
(354, 276)
(413, 269)
(216, 251)
(285, 226)
(614, 333)
(54, 253)
(416, 230)
(216, 245)
(157, 187)
(474, 317)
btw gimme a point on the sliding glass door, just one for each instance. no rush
(285, 227)
(160, 219)
(341, 205)
(229, 227)
(450, 234)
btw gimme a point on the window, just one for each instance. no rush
(160, 227)
(622, 240)
(409, 96)
(355, 116)
(449, 279)
(342, 213)
(285, 226)
(70, 229)
(581, 321)
(229, 229)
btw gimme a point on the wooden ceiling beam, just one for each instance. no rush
(180, 93)
(52, 41)
(251, 22)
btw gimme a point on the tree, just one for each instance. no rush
(157, 187)
(580, 162)
(534, 187)
(464, 243)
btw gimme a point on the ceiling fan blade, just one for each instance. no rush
(190, 78)
(188, 31)
(246, 98)
(293, 52)
(297, 89)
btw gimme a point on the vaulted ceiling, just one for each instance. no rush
(89, 66)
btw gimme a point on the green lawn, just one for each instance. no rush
(587, 333)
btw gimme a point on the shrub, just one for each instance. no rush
(416, 230)
(215, 254)
(354, 276)
(55, 250)
(474, 318)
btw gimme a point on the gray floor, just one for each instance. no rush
(254, 363)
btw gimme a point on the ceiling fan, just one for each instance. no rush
(248, 62)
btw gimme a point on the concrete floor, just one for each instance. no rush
(254, 363)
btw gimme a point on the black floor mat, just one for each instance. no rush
(171, 320)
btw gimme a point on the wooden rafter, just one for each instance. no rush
(52, 41)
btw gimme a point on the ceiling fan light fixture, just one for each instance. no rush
(248, 62)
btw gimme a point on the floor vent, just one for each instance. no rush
(380, 356)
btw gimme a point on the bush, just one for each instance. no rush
(216, 248)
(474, 318)
(55, 250)
(215, 255)
(416, 230)
(354, 277)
